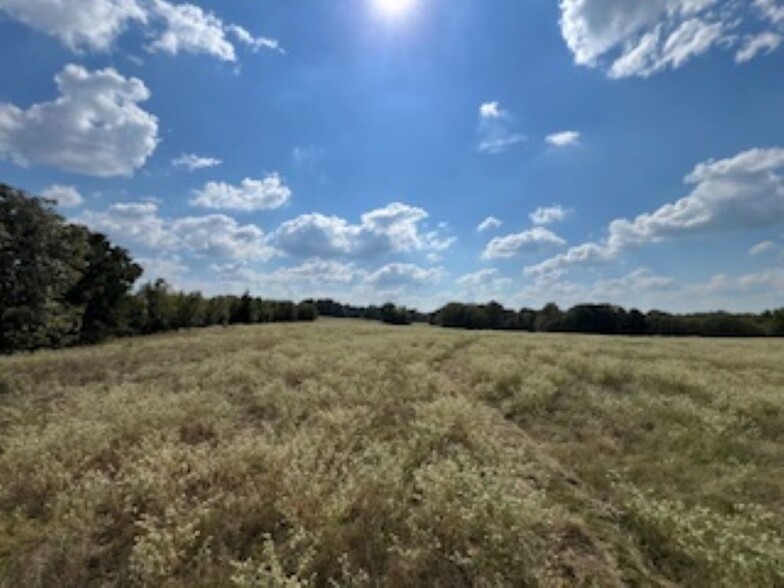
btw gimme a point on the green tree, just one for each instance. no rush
(41, 259)
(156, 307)
(102, 290)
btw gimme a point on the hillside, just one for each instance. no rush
(348, 453)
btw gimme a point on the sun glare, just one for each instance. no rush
(394, 8)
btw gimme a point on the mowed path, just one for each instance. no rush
(351, 453)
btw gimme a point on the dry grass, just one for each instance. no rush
(352, 454)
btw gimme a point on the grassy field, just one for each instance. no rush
(353, 454)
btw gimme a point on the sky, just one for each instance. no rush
(413, 151)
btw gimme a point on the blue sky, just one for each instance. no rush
(418, 151)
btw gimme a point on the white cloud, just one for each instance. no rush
(641, 38)
(190, 29)
(742, 192)
(528, 242)
(765, 281)
(65, 196)
(174, 28)
(315, 235)
(499, 142)
(170, 268)
(319, 271)
(479, 278)
(222, 236)
(488, 224)
(766, 43)
(95, 127)
(89, 24)
(312, 278)
(745, 191)
(396, 228)
(639, 288)
(132, 224)
(320, 278)
(397, 276)
(764, 247)
(483, 284)
(646, 290)
(563, 139)
(546, 215)
(490, 110)
(193, 162)
(255, 43)
(496, 129)
(773, 10)
(268, 193)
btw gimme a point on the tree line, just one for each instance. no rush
(604, 319)
(608, 319)
(62, 284)
(388, 313)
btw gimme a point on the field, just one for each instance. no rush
(346, 453)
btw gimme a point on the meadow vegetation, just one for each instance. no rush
(348, 453)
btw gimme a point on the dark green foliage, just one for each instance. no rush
(306, 311)
(102, 290)
(41, 261)
(607, 319)
(155, 308)
(393, 315)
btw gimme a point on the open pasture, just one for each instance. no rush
(345, 453)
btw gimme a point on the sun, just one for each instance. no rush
(394, 8)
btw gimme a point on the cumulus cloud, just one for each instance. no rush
(646, 289)
(642, 38)
(764, 281)
(312, 235)
(268, 193)
(174, 28)
(563, 139)
(132, 224)
(322, 278)
(95, 127)
(170, 268)
(311, 278)
(496, 131)
(483, 284)
(396, 228)
(193, 162)
(490, 110)
(546, 215)
(535, 240)
(741, 192)
(89, 24)
(397, 276)
(221, 236)
(139, 224)
(190, 29)
(488, 224)
(64, 196)
(639, 288)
